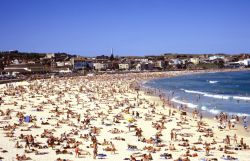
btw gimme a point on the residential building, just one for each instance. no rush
(124, 66)
(195, 61)
(100, 66)
(14, 69)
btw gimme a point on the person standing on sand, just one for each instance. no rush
(77, 151)
(95, 150)
(172, 135)
(175, 136)
(235, 138)
(207, 148)
(229, 124)
(27, 144)
(201, 116)
(113, 147)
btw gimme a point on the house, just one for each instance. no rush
(14, 69)
(175, 62)
(159, 64)
(124, 66)
(144, 66)
(138, 67)
(214, 57)
(100, 66)
(142, 60)
(195, 61)
(50, 55)
(245, 62)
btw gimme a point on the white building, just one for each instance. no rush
(100, 66)
(50, 55)
(175, 62)
(124, 66)
(245, 62)
(216, 57)
(142, 60)
(138, 67)
(195, 60)
(159, 64)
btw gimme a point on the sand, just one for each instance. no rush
(112, 105)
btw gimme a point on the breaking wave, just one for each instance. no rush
(190, 105)
(213, 82)
(218, 96)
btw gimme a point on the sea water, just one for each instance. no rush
(212, 92)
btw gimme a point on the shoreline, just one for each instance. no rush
(147, 87)
(156, 92)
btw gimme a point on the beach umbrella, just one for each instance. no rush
(27, 119)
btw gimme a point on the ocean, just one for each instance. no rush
(210, 92)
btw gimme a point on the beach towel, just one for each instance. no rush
(102, 156)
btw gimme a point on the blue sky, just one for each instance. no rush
(131, 27)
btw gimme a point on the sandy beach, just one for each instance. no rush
(108, 117)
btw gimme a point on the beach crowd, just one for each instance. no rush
(110, 117)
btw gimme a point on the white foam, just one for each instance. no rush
(241, 98)
(238, 114)
(213, 82)
(195, 92)
(207, 94)
(214, 111)
(204, 108)
(218, 95)
(190, 105)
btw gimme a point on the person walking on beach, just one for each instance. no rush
(27, 144)
(172, 135)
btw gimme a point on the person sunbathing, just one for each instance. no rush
(105, 142)
(172, 147)
(194, 148)
(45, 123)
(29, 150)
(111, 149)
(64, 151)
(228, 157)
(83, 152)
(228, 152)
(23, 157)
(9, 134)
(185, 144)
(132, 147)
(85, 137)
(17, 145)
(166, 156)
(59, 159)
(182, 159)
(118, 138)
(151, 149)
(35, 126)
(116, 131)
